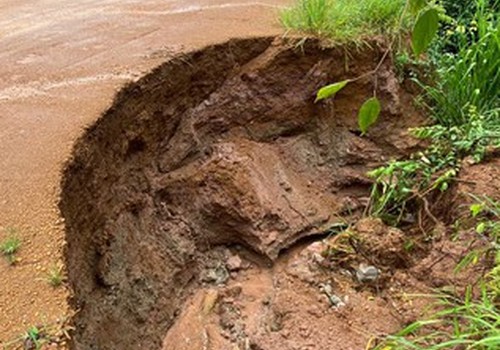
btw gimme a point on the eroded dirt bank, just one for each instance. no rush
(219, 147)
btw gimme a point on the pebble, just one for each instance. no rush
(234, 263)
(367, 273)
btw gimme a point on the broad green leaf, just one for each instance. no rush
(330, 90)
(417, 5)
(368, 114)
(424, 31)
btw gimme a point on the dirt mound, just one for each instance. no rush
(221, 147)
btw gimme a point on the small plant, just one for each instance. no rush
(55, 276)
(10, 245)
(32, 339)
(487, 214)
(462, 324)
(468, 322)
(36, 337)
(426, 26)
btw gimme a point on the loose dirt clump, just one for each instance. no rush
(224, 148)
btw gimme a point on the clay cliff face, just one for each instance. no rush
(221, 146)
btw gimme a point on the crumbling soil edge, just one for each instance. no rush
(219, 146)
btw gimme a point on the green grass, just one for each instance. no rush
(10, 246)
(344, 20)
(472, 324)
(469, 323)
(469, 78)
(486, 213)
(464, 105)
(55, 276)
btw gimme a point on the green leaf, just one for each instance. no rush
(476, 209)
(417, 5)
(368, 114)
(424, 31)
(330, 90)
(481, 227)
(444, 187)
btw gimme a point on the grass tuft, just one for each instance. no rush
(470, 78)
(10, 246)
(344, 20)
(55, 276)
(466, 323)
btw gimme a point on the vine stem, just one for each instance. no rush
(389, 49)
(375, 70)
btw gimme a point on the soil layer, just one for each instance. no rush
(220, 147)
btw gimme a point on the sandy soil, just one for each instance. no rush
(62, 62)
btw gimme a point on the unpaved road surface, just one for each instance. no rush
(61, 63)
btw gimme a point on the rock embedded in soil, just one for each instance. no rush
(367, 273)
(234, 263)
(222, 146)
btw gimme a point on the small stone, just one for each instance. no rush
(234, 263)
(218, 275)
(367, 273)
(209, 301)
(233, 291)
(334, 300)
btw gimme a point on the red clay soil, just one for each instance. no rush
(62, 63)
(202, 209)
(222, 147)
(199, 208)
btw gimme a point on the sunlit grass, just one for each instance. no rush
(344, 20)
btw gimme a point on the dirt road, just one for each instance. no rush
(61, 63)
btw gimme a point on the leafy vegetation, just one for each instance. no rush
(486, 212)
(459, 18)
(33, 335)
(463, 102)
(427, 24)
(470, 77)
(368, 114)
(10, 245)
(345, 20)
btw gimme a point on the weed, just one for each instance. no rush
(487, 214)
(55, 276)
(10, 246)
(423, 33)
(459, 20)
(344, 20)
(470, 78)
(36, 337)
(462, 324)
(464, 104)
(33, 338)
